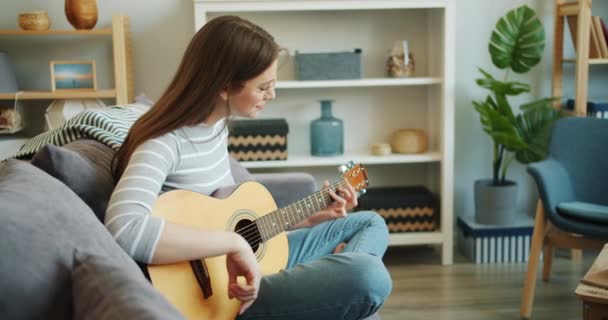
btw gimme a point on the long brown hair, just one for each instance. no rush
(222, 55)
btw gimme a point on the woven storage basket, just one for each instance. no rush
(405, 209)
(255, 140)
(328, 66)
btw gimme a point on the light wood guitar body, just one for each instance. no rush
(177, 281)
(202, 292)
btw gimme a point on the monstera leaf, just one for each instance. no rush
(518, 40)
(534, 126)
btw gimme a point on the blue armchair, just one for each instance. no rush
(573, 188)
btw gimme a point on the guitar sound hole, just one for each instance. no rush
(248, 230)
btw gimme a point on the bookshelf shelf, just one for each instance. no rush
(590, 43)
(50, 95)
(371, 82)
(373, 107)
(302, 160)
(121, 52)
(590, 61)
(95, 32)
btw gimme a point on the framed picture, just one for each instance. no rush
(74, 75)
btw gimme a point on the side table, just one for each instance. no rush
(593, 289)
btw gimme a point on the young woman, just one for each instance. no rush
(334, 270)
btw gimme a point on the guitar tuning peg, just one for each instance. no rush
(362, 192)
(342, 168)
(351, 164)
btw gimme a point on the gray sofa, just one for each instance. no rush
(58, 260)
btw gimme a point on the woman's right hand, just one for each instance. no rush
(242, 262)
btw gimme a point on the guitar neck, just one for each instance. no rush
(283, 219)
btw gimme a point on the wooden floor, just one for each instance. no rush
(423, 289)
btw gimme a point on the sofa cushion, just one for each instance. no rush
(42, 222)
(83, 166)
(115, 289)
(593, 213)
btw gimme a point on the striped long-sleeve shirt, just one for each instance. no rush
(187, 158)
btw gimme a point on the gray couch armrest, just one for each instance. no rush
(287, 187)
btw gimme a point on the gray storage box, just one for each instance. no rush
(328, 66)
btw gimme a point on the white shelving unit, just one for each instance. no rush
(372, 107)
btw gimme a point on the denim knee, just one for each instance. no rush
(371, 280)
(378, 224)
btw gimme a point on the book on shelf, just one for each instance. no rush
(598, 36)
(604, 29)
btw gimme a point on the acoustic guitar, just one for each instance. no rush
(199, 288)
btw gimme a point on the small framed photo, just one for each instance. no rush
(73, 75)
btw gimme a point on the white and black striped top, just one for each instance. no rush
(194, 158)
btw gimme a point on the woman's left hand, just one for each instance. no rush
(344, 200)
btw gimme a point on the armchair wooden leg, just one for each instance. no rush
(547, 261)
(538, 236)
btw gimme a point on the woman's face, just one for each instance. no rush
(255, 93)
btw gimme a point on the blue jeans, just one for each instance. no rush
(320, 285)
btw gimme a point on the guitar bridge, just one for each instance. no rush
(202, 277)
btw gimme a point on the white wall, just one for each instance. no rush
(475, 21)
(162, 28)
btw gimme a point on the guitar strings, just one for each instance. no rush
(251, 229)
(253, 235)
(255, 230)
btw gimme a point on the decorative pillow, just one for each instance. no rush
(83, 166)
(239, 173)
(104, 288)
(42, 221)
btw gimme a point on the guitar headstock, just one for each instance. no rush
(355, 175)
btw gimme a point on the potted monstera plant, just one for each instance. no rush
(516, 45)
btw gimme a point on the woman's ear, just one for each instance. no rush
(224, 94)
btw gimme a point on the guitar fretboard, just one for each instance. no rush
(283, 219)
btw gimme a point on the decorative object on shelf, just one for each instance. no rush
(82, 14)
(401, 61)
(76, 75)
(34, 20)
(11, 120)
(594, 109)
(328, 66)
(326, 133)
(258, 140)
(381, 149)
(60, 111)
(409, 141)
(495, 244)
(8, 80)
(517, 43)
(405, 209)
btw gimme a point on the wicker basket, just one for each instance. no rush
(34, 21)
(405, 209)
(258, 140)
(409, 141)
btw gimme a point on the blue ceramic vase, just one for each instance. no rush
(326, 133)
